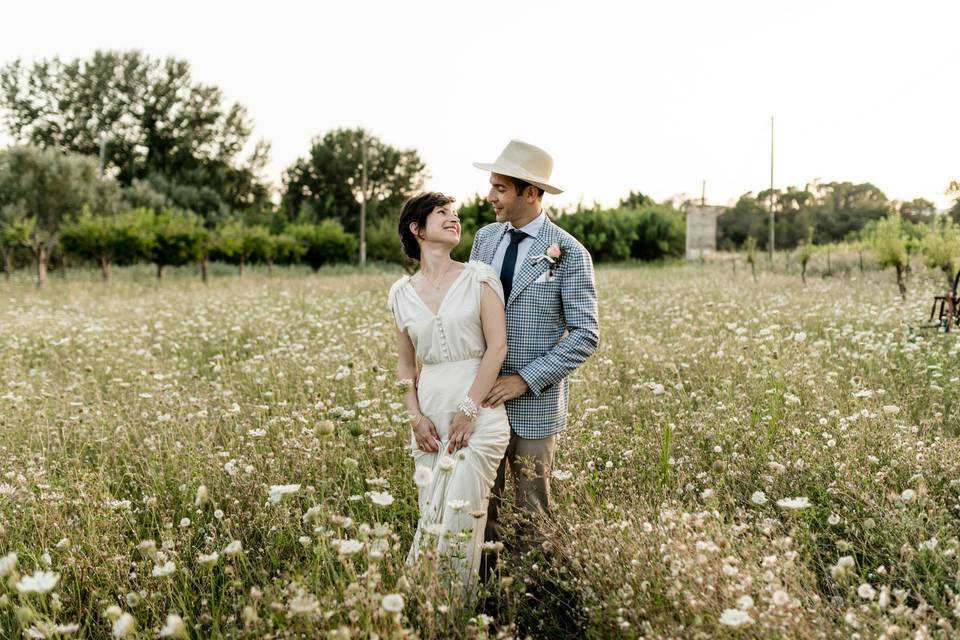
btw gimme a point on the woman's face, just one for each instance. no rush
(442, 226)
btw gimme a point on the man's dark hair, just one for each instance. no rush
(416, 209)
(521, 186)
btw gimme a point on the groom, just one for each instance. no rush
(552, 325)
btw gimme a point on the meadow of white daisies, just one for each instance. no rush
(744, 458)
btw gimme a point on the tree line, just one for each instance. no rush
(57, 205)
(123, 157)
(834, 211)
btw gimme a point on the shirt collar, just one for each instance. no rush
(533, 227)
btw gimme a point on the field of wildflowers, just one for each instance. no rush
(745, 459)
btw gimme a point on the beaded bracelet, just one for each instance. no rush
(468, 407)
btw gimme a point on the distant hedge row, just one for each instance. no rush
(648, 233)
(652, 232)
(174, 238)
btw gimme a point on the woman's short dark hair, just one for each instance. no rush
(416, 210)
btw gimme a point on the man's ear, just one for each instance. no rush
(530, 194)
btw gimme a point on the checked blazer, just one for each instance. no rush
(552, 325)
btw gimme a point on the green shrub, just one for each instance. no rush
(889, 243)
(661, 233)
(240, 244)
(286, 249)
(650, 233)
(941, 246)
(606, 235)
(178, 238)
(325, 243)
(383, 242)
(120, 239)
(462, 251)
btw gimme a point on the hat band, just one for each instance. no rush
(523, 174)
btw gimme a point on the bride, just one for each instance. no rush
(450, 318)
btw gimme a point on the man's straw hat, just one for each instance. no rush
(524, 161)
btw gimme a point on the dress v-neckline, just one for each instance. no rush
(446, 294)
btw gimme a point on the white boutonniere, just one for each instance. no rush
(552, 255)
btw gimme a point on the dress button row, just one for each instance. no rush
(443, 338)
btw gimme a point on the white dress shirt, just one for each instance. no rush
(532, 230)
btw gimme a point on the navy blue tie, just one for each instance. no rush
(510, 263)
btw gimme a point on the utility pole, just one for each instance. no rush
(703, 193)
(772, 219)
(103, 153)
(363, 203)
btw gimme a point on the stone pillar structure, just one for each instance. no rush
(702, 230)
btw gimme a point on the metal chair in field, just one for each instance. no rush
(949, 314)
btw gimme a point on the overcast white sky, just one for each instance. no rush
(650, 96)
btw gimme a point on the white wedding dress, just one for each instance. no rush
(449, 344)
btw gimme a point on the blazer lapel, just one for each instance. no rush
(530, 270)
(490, 249)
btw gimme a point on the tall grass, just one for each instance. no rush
(729, 444)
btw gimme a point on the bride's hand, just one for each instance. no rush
(460, 431)
(425, 433)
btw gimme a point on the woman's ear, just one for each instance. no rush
(415, 230)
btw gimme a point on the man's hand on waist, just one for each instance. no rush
(505, 388)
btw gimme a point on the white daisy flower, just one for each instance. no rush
(38, 582)
(422, 476)
(174, 627)
(304, 604)
(112, 612)
(277, 491)
(844, 564)
(392, 602)
(735, 618)
(123, 625)
(800, 502)
(381, 498)
(8, 563)
(457, 505)
(163, 570)
(349, 547)
(233, 548)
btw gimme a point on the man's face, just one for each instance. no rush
(503, 196)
